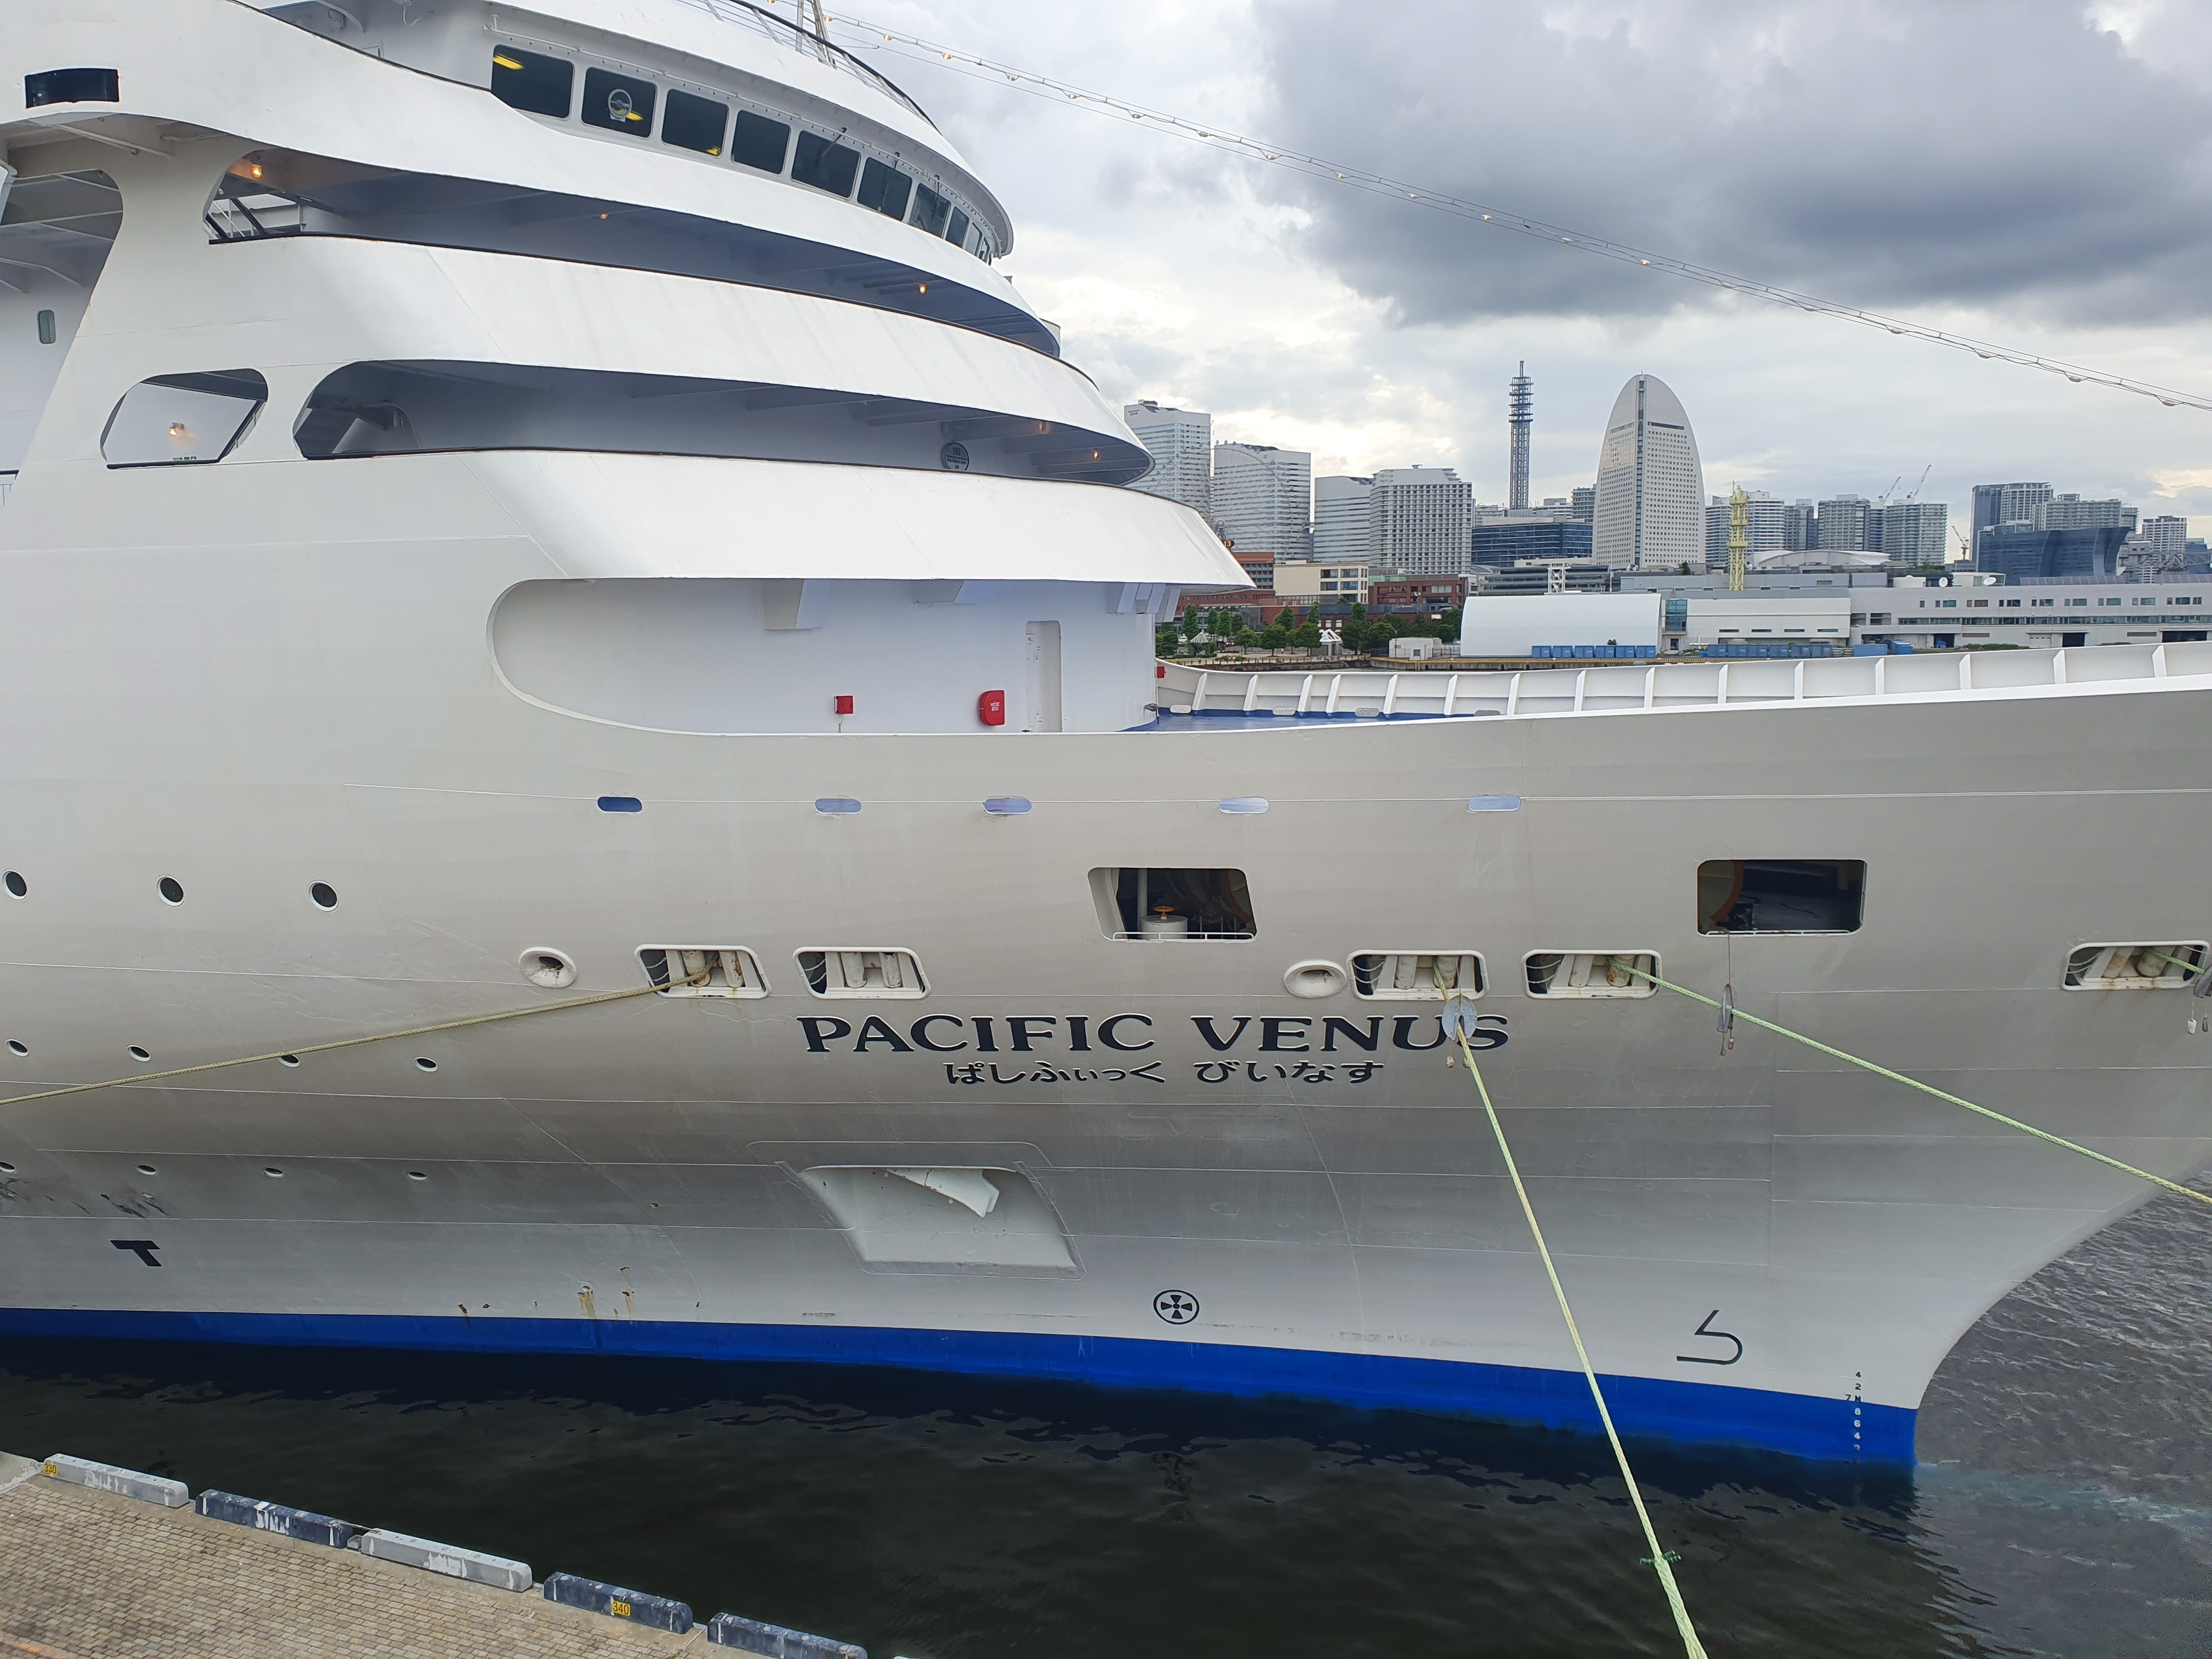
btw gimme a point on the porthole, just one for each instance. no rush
(426, 1062)
(136, 1053)
(324, 894)
(416, 1175)
(48, 334)
(6, 1168)
(15, 1047)
(146, 1168)
(272, 1169)
(172, 890)
(288, 1059)
(16, 885)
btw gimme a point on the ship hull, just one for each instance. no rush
(1207, 1183)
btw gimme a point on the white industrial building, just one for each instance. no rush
(1514, 625)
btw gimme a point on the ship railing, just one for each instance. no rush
(1431, 693)
(7, 486)
(789, 33)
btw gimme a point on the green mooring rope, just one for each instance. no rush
(1928, 1089)
(1688, 1631)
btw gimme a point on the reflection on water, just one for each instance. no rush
(2066, 1508)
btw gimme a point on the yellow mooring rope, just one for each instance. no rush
(1687, 1630)
(1930, 1089)
(347, 1042)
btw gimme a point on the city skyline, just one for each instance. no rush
(2055, 213)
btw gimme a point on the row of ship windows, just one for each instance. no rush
(615, 102)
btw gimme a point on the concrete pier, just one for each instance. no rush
(91, 1575)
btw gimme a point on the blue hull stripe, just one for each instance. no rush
(1690, 1413)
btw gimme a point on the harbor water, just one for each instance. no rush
(2063, 1504)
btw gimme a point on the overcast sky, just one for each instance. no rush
(2037, 172)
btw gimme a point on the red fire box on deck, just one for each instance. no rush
(990, 708)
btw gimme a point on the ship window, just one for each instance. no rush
(884, 189)
(530, 81)
(930, 210)
(866, 973)
(825, 165)
(1167, 905)
(1591, 973)
(72, 86)
(47, 333)
(1416, 976)
(1781, 895)
(759, 141)
(695, 122)
(620, 103)
(956, 231)
(183, 419)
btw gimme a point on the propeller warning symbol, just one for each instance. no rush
(1176, 1307)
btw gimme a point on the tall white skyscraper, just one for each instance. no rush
(2167, 534)
(1343, 508)
(1182, 445)
(1263, 499)
(1423, 519)
(1650, 488)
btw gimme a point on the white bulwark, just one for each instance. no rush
(1512, 626)
(1650, 488)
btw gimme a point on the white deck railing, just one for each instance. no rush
(1388, 693)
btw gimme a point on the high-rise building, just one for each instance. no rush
(1263, 499)
(1180, 442)
(2006, 503)
(1341, 510)
(1915, 532)
(1520, 415)
(2167, 534)
(1502, 542)
(1846, 524)
(1648, 514)
(1423, 518)
(1798, 518)
(1766, 515)
(2072, 513)
(1584, 503)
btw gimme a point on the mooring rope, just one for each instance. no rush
(1926, 1088)
(1687, 1630)
(349, 1043)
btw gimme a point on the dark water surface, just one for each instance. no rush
(2064, 1505)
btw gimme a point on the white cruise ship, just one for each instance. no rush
(512, 505)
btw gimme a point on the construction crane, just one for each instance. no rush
(1739, 536)
(1922, 484)
(1882, 500)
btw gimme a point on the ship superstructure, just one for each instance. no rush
(509, 506)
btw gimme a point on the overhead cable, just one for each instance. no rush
(863, 35)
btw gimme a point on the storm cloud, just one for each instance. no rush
(1889, 154)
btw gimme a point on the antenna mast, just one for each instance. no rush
(1739, 536)
(1520, 412)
